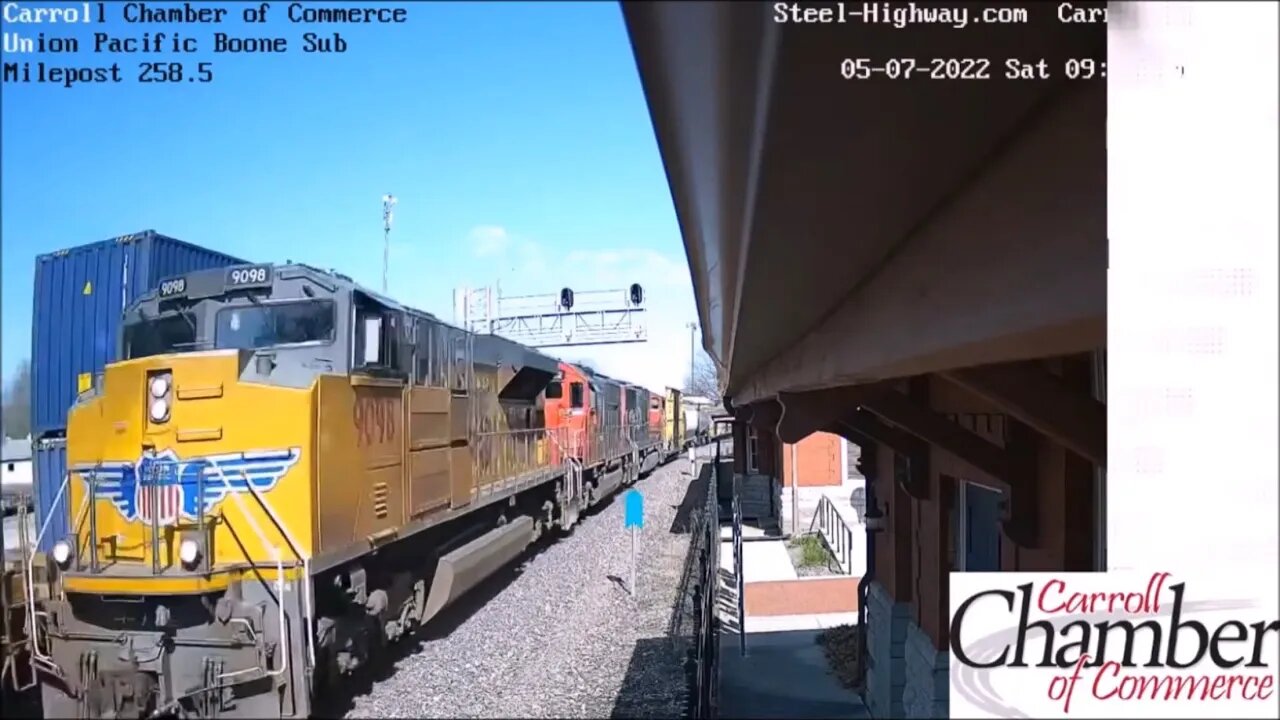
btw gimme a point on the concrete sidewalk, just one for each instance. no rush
(784, 672)
(762, 560)
(783, 675)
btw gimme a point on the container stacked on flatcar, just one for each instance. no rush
(80, 297)
(284, 471)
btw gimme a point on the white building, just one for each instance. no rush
(15, 464)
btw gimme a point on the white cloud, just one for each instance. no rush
(508, 252)
(620, 268)
(489, 240)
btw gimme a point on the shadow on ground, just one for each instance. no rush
(783, 674)
(655, 684)
(695, 496)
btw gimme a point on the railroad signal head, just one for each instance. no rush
(566, 299)
(636, 293)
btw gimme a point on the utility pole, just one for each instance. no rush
(388, 202)
(693, 328)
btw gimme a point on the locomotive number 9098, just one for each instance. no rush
(248, 276)
(176, 286)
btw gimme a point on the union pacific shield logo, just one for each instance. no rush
(164, 488)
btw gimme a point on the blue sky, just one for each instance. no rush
(515, 136)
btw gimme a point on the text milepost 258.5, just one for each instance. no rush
(971, 69)
(143, 72)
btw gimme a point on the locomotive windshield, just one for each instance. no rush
(265, 325)
(161, 335)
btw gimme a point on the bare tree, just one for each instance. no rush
(17, 403)
(705, 381)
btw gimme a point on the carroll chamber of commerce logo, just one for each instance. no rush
(164, 488)
(1095, 644)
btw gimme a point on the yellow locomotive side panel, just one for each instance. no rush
(428, 486)
(153, 481)
(509, 440)
(490, 424)
(360, 489)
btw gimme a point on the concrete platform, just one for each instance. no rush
(784, 674)
(750, 533)
(762, 561)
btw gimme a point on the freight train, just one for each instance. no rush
(285, 472)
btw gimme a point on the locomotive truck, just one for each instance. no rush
(287, 471)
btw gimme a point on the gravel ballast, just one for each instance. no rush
(559, 635)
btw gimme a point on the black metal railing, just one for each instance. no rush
(695, 619)
(709, 627)
(835, 532)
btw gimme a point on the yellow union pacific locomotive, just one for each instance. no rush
(284, 472)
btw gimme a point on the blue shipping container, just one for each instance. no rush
(50, 457)
(80, 296)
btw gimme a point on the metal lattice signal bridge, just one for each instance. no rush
(593, 317)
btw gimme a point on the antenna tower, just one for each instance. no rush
(388, 203)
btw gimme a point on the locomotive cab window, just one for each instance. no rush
(460, 367)
(575, 395)
(554, 390)
(377, 341)
(423, 360)
(252, 327)
(369, 341)
(160, 335)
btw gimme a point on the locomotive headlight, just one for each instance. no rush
(62, 554)
(159, 410)
(159, 386)
(189, 552)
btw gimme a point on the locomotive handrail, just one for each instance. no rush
(275, 551)
(38, 657)
(10, 670)
(504, 454)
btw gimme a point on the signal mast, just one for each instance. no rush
(566, 319)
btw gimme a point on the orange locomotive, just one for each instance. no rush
(607, 435)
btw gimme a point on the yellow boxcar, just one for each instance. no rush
(674, 432)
